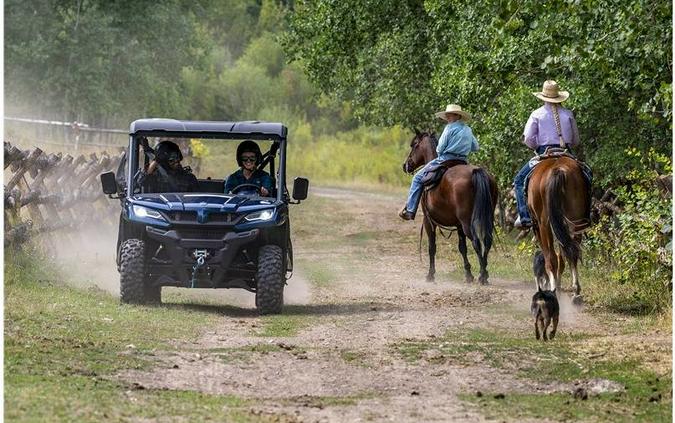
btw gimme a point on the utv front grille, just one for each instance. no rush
(183, 216)
(190, 217)
(200, 234)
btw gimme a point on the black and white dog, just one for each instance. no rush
(545, 307)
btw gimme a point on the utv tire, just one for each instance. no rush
(132, 272)
(269, 297)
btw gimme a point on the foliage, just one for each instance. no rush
(399, 60)
(641, 270)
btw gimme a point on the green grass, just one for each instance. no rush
(626, 407)
(357, 358)
(318, 273)
(547, 362)
(62, 345)
(281, 325)
(89, 399)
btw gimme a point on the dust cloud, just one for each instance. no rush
(569, 313)
(86, 258)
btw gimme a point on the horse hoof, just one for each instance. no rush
(483, 281)
(430, 278)
(469, 279)
(577, 300)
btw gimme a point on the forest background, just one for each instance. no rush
(352, 79)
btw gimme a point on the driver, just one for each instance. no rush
(249, 158)
(165, 173)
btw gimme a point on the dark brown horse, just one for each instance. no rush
(464, 200)
(559, 203)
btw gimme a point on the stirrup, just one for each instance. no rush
(522, 224)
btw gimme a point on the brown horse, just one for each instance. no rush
(559, 203)
(464, 200)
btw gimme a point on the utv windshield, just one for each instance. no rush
(241, 167)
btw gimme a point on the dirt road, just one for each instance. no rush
(364, 337)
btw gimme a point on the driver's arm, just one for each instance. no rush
(230, 184)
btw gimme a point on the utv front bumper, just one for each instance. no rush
(180, 246)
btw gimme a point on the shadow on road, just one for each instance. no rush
(331, 309)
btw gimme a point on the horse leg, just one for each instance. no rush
(551, 261)
(483, 277)
(430, 229)
(468, 276)
(482, 261)
(559, 270)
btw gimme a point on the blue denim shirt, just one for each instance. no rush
(456, 141)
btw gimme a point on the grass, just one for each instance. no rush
(647, 396)
(357, 358)
(89, 399)
(318, 273)
(63, 345)
(282, 325)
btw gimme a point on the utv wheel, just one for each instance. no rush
(132, 271)
(269, 297)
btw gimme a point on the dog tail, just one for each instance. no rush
(482, 217)
(561, 231)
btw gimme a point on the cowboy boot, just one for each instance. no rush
(406, 215)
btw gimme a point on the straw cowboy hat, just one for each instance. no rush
(551, 93)
(456, 109)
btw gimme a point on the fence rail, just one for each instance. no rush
(46, 193)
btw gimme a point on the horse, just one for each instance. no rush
(558, 200)
(464, 200)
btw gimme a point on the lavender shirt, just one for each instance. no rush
(540, 128)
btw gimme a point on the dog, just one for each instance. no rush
(545, 307)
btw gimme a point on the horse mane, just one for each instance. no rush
(432, 138)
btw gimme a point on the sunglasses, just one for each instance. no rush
(249, 159)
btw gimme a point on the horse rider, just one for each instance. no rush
(249, 157)
(551, 125)
(455, 143)
(165, 173)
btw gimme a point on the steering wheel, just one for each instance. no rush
(246, 187)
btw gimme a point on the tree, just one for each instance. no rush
(397, 61)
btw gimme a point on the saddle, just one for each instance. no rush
(554, 153)
(434, 174)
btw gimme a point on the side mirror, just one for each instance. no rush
(300, 187)
(109, 183)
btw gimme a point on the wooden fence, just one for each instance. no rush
(45, 193)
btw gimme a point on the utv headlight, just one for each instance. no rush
(144, 212)
(260, 216)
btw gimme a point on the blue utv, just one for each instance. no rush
(204, 238)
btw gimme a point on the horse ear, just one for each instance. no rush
(417, 131)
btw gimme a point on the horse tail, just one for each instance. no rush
(482, 217)
(555, 194)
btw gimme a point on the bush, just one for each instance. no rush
(638, 274)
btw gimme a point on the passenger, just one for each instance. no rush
(165, 173)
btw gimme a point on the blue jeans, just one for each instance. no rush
(416, 185)
(519, 185)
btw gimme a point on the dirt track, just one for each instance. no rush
(358, 298)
